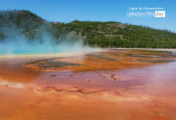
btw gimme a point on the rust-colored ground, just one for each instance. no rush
(116, 84)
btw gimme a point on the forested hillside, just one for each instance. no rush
(97, 34)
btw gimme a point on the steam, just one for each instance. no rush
(18, 43)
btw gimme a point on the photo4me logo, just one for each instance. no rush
(146, 12)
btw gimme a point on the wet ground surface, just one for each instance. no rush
(116, 84)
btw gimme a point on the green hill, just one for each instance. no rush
(22, 19)
(101, 34)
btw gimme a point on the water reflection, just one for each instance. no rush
(104, 61)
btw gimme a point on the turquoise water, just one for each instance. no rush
(30, 52)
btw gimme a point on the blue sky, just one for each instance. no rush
(96, 10)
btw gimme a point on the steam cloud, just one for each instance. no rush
(17, 43)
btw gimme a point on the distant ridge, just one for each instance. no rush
(98, 34)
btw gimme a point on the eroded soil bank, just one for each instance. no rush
(114, 84)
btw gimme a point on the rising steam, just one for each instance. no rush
(17, 43)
